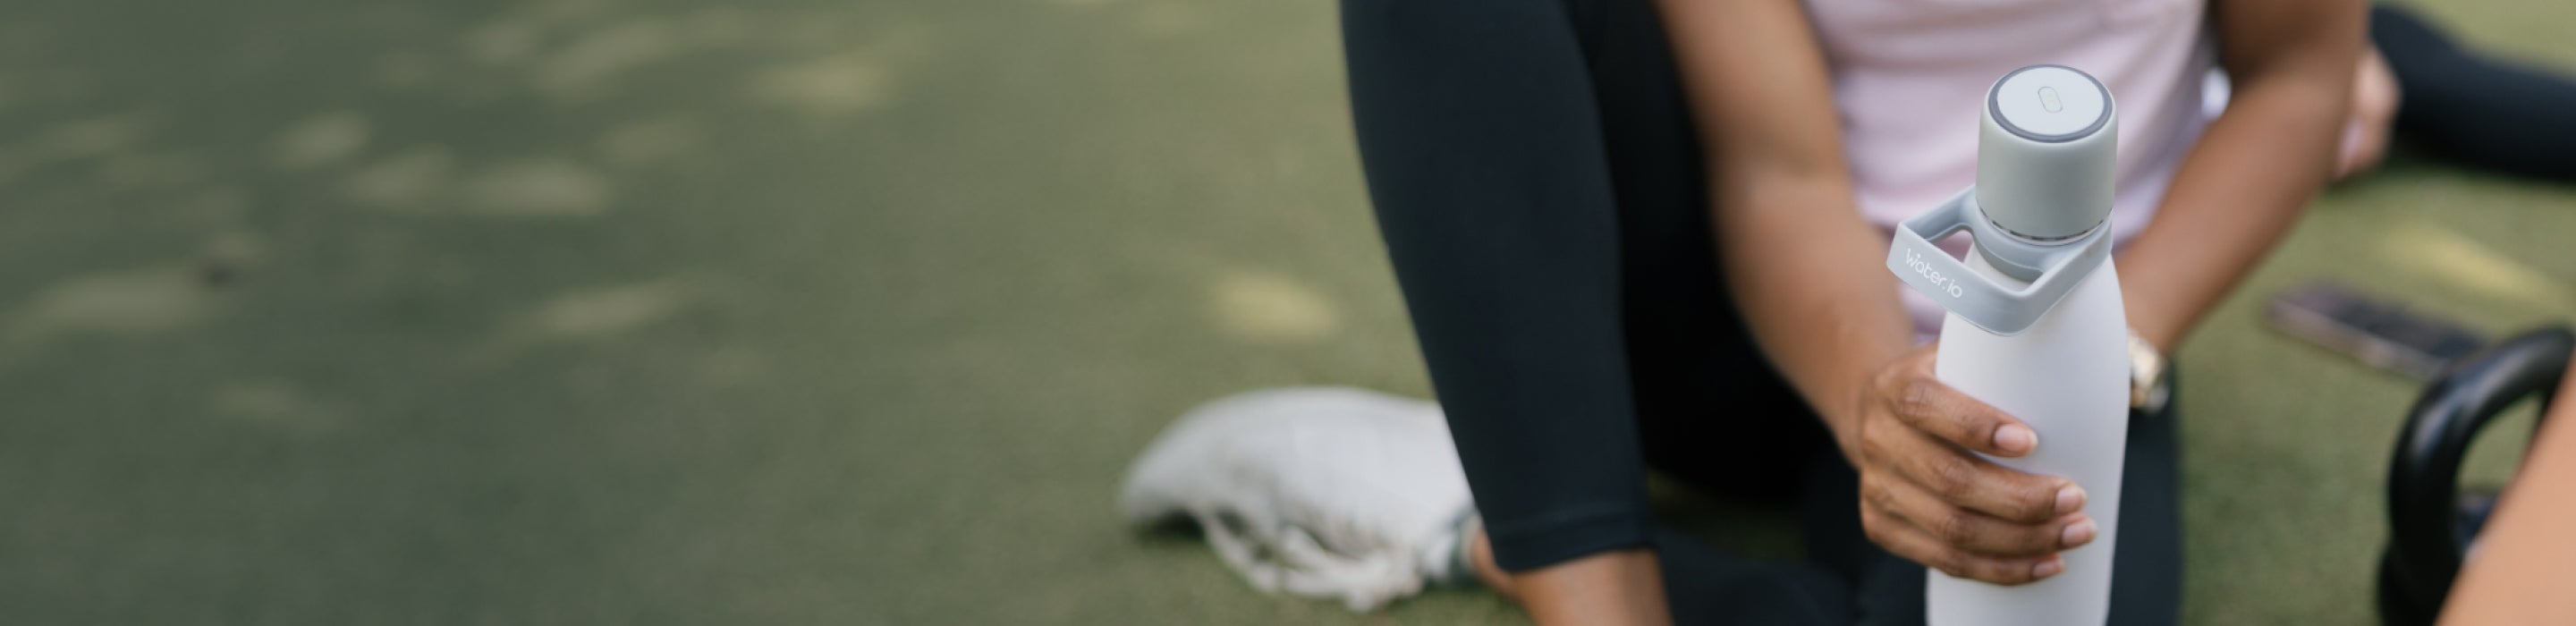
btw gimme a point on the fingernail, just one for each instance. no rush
(2079, 533)
(2048, 568)
(2015, 438)
(2069, 499)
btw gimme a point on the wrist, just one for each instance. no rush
(2159, 329)
(1859, 388)
(1843, 421)
(2156, 337)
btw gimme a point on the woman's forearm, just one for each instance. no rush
(2254, 170)
(1811, 279)
(2236, 196)
(1804, 267)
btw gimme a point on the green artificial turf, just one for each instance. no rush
(595, 311)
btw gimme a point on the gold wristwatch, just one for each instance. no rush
(2150, 383)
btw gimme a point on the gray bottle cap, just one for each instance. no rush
(2045, 152)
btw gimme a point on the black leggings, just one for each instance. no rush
(1538, 184)
(2467, 107)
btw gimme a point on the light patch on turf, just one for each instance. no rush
(732, 366)
(404, 71)
(235, 248)
(91, 137)
(13, 164)
(572, 55)
(504, 41)
(583, 69)
(650, 141)
(214, 206)
(73, 140)
(567, 11)
(1170, 18)
(276, 405)
(849, 79)
(538, 187)
(831, 86)
(2453, 258)
(151, 170)
(321, 139)
(812, 33)
(1268, 307)
(407, 179)
(717, 26)
(612, 310)
(122, 302)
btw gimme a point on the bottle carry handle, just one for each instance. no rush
(2058, 265)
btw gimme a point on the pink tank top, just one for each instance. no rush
(1909, 75)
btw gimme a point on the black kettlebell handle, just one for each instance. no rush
(2423, 481)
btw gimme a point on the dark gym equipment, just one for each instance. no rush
(2430, 523)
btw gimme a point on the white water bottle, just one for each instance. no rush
(2036, 326)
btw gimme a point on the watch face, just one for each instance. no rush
(2146, 376)
(2143, 362)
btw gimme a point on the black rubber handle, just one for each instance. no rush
(2423, 480)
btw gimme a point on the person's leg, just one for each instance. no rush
(1484, 161)
(1524, 164)
(2146, 567)
(1708, 403)
(2478, 110)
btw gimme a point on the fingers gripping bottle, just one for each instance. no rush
(2035, 326)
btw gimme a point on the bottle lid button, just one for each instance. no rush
(2050, 103)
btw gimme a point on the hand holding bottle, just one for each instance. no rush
(1927, 497)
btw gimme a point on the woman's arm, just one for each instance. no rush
(2527, 557)
(1807, 270)
(2240, 189)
